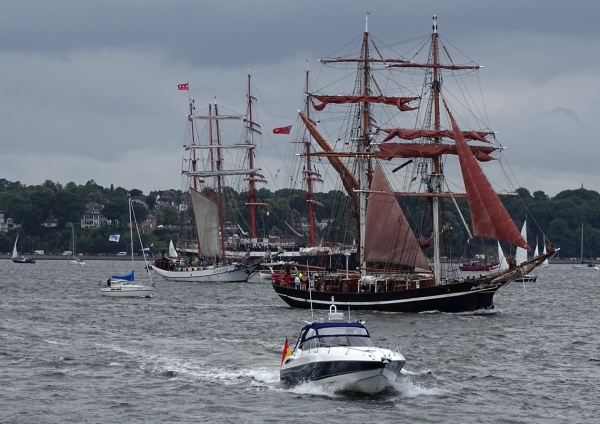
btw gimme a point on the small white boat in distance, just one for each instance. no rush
(340, 352)
(124, 286)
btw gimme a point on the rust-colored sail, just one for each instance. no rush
(348, 180)
(388, 151)
(389, 238)
(407, 134)
(490, 218)
(399, 102)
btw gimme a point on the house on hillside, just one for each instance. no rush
(148, 225)
(7, 224)
(93, 217)
(51, 222)
(164, 199)
(186, 202)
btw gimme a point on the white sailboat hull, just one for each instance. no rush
(223, 274)
(126, 290)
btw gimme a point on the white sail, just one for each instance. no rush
(172, 251)
(521, 255)
(546, 262)
(502, 258)
(206, 213)
(15, 253)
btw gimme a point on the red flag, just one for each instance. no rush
(286, 351)
(282, 130)
(185, 87)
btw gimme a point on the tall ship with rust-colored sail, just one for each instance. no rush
(392, 135)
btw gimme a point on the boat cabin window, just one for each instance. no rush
(336, 336)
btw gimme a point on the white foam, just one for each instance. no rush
(409, 389)
(57, 343)
(405, 371)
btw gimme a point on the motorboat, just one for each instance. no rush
(337, 352)
(124, 286)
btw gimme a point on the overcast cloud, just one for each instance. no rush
(88, 89)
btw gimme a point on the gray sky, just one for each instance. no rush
(89, 88)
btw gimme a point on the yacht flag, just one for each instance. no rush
(184, 87)
(116, 238)
(286, 351)
(282, 130)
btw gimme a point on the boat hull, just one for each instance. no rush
(458, 297)
(527, 279)
(476, 268)
(23, 260)
(368, 377)
(225, 274)
(127, 290)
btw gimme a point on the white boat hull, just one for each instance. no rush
(224, 274)
(127, 290)
(355, 369)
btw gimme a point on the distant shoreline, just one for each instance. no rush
(84, 257)
(141, 258)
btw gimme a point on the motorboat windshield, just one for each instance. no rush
(333, 334)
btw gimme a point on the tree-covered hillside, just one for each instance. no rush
(559, 218)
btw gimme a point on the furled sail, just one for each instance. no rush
(407, 134)
(399, 102)
(220, 172)
(435, 66)
(206, 213)
(348, 180)
(489, 216)
(388, 151)
(389, 238)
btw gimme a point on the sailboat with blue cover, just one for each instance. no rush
(124, 285)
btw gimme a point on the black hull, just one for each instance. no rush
(465, 296)
(24, 261)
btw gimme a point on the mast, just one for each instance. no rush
(308, 174)
(436, 177)
(219, 165)
(253, 178)
(194, 164)
(210, 141)
(581, 243)
(251, 197)
(363, 145)
(130, 227)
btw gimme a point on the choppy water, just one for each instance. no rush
(211, 353)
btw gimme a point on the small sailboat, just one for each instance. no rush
(583, 264)
(74, 259)
(547, 261)
(521, 257)
(15, 255)
(338, 352)
(124, 285)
